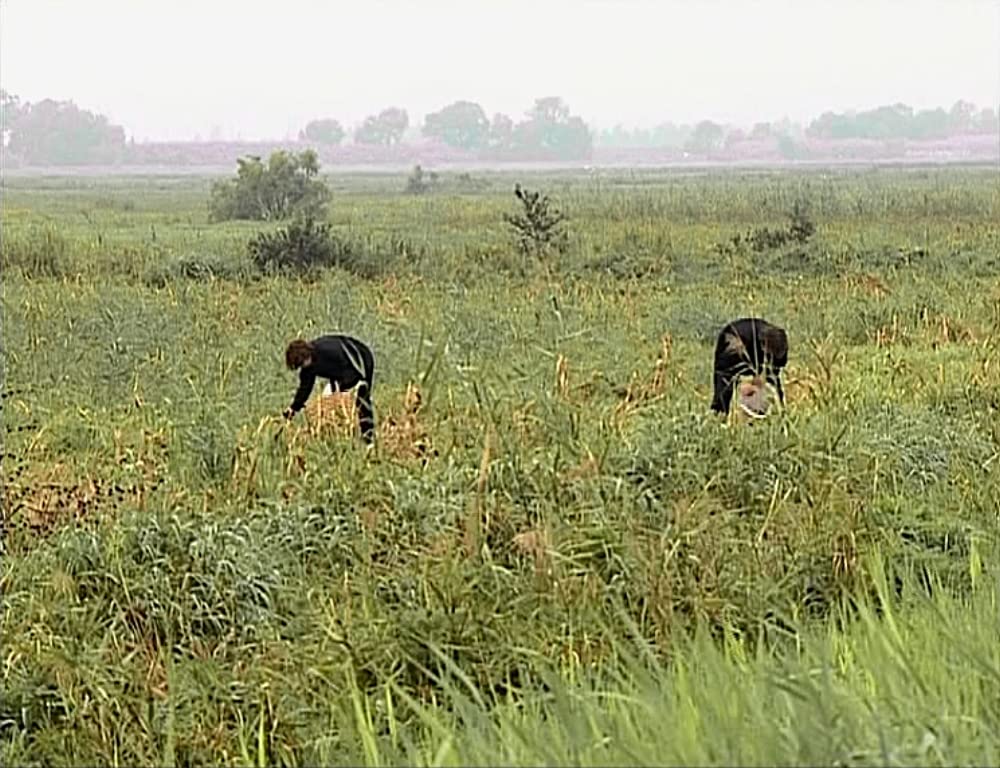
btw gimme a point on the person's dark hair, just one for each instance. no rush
(297, 353)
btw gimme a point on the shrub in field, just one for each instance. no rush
(283, 187)
(800, 230)
(627, 265)
(801, 227)
(419, 182)
(305, 245)
(538, 229)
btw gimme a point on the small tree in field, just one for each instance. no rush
(418, 182)
(538, 228)
(286, 185)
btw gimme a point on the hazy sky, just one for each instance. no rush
(262, 69)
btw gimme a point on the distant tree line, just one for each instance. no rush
(548, 129)
(896, 121)
(60, 133)
(899, 121)
(704, 138)
(667, 135)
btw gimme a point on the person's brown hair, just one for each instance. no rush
(298, 352)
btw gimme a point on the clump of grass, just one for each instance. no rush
(39, 252)
(204, 266)
(799, 232)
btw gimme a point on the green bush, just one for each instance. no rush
(285, 186)
(302, 246)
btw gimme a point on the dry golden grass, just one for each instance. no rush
(948, 330)
(529, 426)
(803, 387)
(641, 390)
(394, 302)
(535, 543)
(41, 497)
(402, 433)
(867, 284)
(332, 414)
(399, 428)
(562, 377)
(40, 494)
(936, 327)
(588, 466)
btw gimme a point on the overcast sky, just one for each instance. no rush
(254, 69)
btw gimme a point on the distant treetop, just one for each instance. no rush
(58, 133)
(327, 131)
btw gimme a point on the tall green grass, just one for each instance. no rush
(890, 680)
(884, 685)
(588, 567)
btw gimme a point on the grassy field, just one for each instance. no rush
(554, 553)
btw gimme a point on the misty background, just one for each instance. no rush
(221, 71)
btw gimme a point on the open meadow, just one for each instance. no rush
(554, 553)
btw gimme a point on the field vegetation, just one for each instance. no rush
(554, 553)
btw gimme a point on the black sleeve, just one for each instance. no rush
(307, 378)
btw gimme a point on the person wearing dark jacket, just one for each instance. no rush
(749, 346)
(345, 362)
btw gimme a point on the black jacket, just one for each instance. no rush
(748, 346)
(344, 361)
